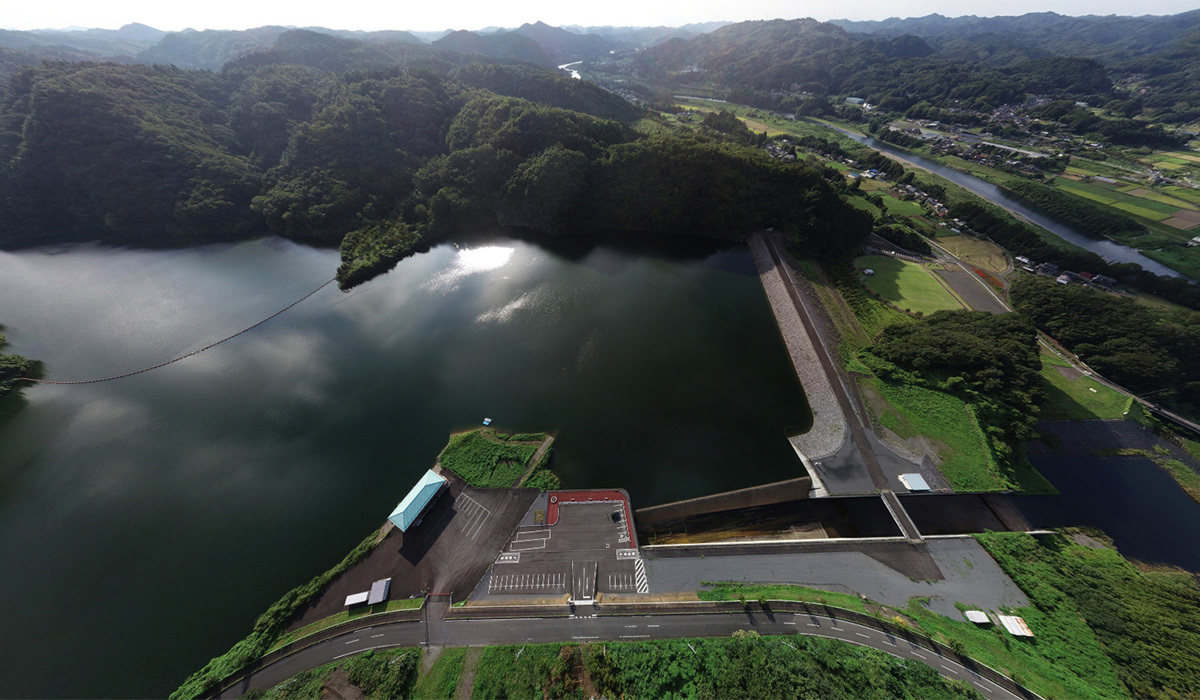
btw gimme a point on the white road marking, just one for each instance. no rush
(652, 625)
(584, 637)
(635, 636)
(376, 636)
(630, 626)
(813, 624)
(919, 656)
(949, 669)
(864, 636)
(352, 641)
(789, 623)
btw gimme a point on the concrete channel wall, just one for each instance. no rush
(764, 495)
(829, 430)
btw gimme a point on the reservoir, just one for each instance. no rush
(1109, 250)
(145, 522)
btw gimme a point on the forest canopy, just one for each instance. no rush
(302, 142)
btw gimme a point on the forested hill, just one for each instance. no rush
(899, 63)
(379, 148)
(1040, 34)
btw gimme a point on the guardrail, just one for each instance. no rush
(410, 615)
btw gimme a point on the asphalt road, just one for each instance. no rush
(459, 633)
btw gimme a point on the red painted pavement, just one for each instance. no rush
(557, 497)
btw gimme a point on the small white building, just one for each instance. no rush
(979, 617)
(1015, 626)
(914, 482)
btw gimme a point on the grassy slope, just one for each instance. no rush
(966, 460)
(1082, 398)
(1145, 625)
(742, 666)
(441, 680)
(906, 284)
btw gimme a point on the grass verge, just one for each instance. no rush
(346, 616)
(441, 681)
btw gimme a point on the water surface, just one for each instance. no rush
(145, 522)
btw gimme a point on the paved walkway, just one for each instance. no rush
(969, 575)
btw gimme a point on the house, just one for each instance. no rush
(1087, 276)
(1194, 242)
(854, 100)
(1103, 280)
(1048, 268)
(1063, 279)
(1024, 260)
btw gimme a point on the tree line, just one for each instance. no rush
(379, 160)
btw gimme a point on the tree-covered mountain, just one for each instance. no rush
(562, 46)
(1109, 38)
(506, 45)
(378, 148)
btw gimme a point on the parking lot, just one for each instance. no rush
(586, 551)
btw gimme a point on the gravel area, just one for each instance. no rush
(828, 432)
(971, 575)
(972, 290)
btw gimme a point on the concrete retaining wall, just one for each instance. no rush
(767, 494)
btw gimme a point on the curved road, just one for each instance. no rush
(458, 633)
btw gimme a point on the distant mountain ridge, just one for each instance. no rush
(1108, 38)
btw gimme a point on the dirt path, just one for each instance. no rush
(537, 457)
(466, 682)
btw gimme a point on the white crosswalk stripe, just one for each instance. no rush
(639, 568)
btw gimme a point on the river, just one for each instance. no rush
(1109, 250)
(574, 73)
(145, 522)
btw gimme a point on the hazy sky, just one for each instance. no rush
(475, 14)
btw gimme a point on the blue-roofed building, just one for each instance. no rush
(414, 505)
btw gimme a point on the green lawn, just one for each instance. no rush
(899, 207)
(906, 284)
(1082, 398)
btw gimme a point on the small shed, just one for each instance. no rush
(979, 617)
(410, 510)
(914, 482)
(868, 272)
(1015, 626)
(379, 591)
(357, 599)
(1063, 279)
